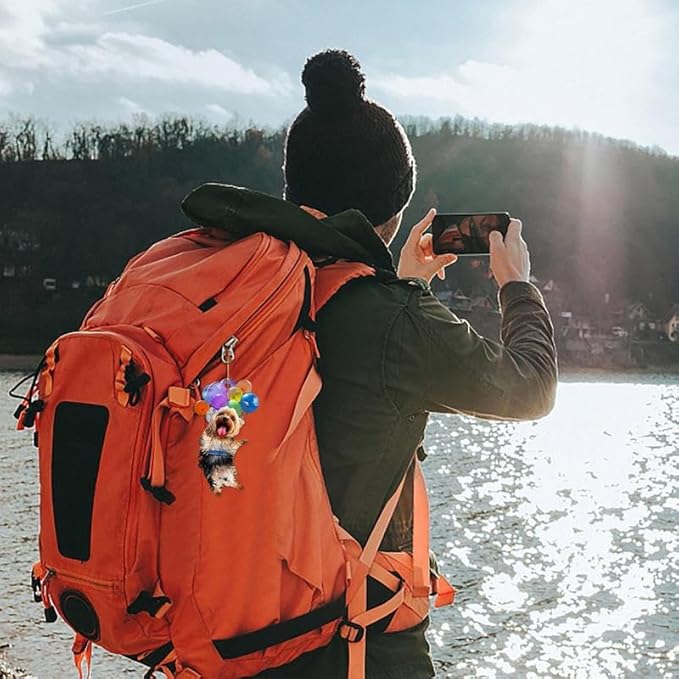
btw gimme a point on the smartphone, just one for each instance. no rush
(467, 233)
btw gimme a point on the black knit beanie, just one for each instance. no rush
(344, 151)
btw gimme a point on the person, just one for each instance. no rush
(452, 238)
(390, 352)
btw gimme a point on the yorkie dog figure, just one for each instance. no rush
(218, 448)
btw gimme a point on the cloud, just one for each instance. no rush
(592, 65)
(218, 111)
(130, 107)
(22, 27)
(33, 38)
(5, 86)
(140, 57)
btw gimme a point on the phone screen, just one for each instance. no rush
(467, 233)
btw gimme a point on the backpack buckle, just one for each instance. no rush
(351, 631)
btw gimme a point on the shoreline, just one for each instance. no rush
(19, 362)
(28, 363)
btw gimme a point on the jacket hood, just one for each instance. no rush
(346, 235)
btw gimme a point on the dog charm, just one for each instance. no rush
(224, 405)
(218, 448)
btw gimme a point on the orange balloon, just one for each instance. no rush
(245, 386)
(201, 407)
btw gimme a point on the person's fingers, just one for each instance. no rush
(514, 230)
(418, 230)
(427, 246)
(495, 241)
(439, 264)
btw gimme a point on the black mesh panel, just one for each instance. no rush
(79, 431)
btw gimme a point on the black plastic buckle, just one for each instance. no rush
(37, 589)
(351, 631)
(147, 603)
(161, 494)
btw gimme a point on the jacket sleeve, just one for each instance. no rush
(460, 371)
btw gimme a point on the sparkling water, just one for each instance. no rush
(560, 536)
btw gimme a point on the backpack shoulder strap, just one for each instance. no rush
(330, 279)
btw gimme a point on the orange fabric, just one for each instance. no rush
(48, 370)
(382, 611)
(20, 425)
(188, 673)
(331, 278)
(278, 531)
(310, 389)
(82, 652)
(179, 401)
(121, 395)
(357, 648)
(421, 579)
(445, 592)
(357, 601)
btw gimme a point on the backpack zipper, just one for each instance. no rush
(227, 352)
(65, 575)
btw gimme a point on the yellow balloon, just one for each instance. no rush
(235, 394)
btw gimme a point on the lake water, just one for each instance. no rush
(560, 535)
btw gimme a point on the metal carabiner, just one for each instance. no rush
(229, 350)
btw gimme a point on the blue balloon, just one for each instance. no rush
(249, 402)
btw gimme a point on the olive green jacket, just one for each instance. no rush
(391, 353)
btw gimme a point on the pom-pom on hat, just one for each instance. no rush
(343, 150)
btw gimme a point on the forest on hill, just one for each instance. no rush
(601, 216)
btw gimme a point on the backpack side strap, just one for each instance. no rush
(330, 279)
(359, 617)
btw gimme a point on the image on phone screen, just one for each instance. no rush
(467, 233)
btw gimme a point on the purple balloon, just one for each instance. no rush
(207, 391)
(219, 400)
(215, 394)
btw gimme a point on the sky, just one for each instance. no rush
(610, 66)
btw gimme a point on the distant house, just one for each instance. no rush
(460, 302)
(19, 254)
(444, 296)
(637, 311)
(672, 325)
(583, 328)
(482, 302)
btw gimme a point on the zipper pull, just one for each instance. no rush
(229, 353)
(50, 613)
(311, 337)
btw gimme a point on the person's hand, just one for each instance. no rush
(417, 258)
(509, 258)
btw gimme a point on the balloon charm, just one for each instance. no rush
(224, 405)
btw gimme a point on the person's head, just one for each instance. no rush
(344, 151)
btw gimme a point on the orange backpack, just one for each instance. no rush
(137, 553)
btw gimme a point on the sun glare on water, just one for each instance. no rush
(561, 536)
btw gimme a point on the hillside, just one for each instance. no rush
(601, 216)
